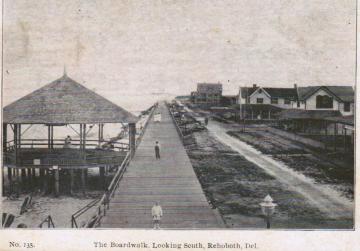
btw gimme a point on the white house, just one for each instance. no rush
(285, 98)
(336, 98)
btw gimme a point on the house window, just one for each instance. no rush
(287, 101)
(324, 101)
(274, 101)
(259, 100)
(346, 107)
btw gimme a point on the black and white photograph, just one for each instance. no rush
(234, 115)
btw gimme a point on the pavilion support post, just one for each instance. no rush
(71, 181)
(101, 133)
(41, 178)
(18, 182)
(52, 137)
(46, 181)
(29, 179)
(102, 176)
(252, 114)
(269, 114)
(132, 134)
(16, 144)
(23, 178)
(49, 137)
(9, 174)
(56, 179)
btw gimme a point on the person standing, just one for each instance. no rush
(157, 213)
(157, 150)
(206, 120)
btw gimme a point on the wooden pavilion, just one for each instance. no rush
(63, 102)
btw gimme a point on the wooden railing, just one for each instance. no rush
(75, 143)
(178, 129)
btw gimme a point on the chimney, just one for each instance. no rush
(254, 85)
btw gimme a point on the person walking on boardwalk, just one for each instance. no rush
(157, 213)
(157, 150)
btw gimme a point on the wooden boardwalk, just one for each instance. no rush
(170, 180)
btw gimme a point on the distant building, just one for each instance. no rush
(280, 97)
(207, 94)
(327, 98)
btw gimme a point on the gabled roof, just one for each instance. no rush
(64, 101)
(289, 93)
(342, 93)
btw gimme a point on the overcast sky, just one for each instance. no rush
(124, 49)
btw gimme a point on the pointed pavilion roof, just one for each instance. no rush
(64, 101)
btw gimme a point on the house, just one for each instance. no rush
(207, 94)
(285, 98)
(336, 98)
(228, 100)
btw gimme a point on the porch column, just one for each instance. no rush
(132, 133)
(269, 114)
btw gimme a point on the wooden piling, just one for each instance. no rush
(83, 180)
(56, 179)
(71, 181)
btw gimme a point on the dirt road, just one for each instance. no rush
(323, 197)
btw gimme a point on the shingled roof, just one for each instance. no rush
(64, 101)
(289, 93)
(343, 93)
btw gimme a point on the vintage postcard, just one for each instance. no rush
(179, 125)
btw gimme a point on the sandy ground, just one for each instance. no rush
(60, 210)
